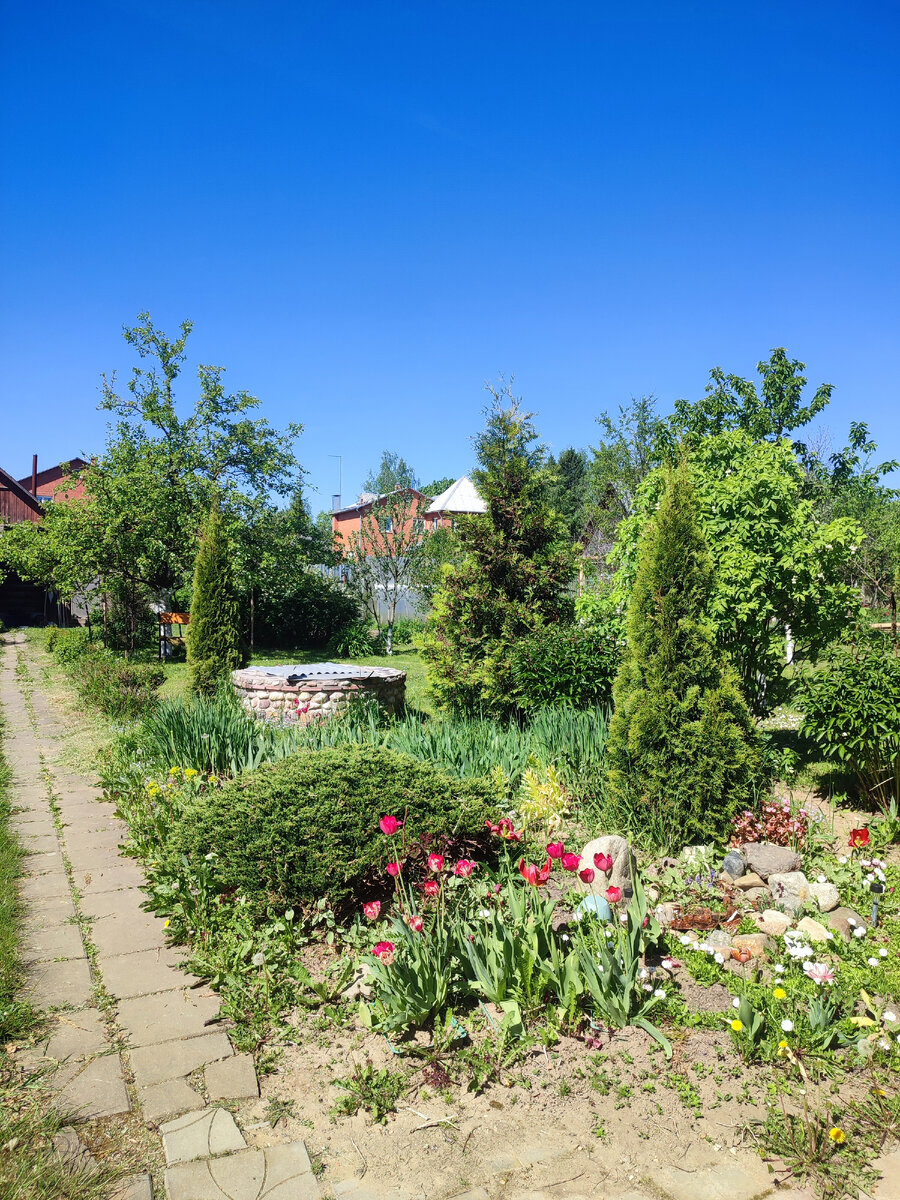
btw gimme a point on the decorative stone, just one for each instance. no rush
(756, 943)
(825, 895)
(790, 890)
(772, 922)
(200, 1135)
(622, 855)
(814, 930)
(666, 914)
(844, 920)
(758, 895)
(748, 881)
(734, 864)
(719, 939)
(767, 860)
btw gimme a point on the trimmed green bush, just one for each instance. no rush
(565, 664)
(307, 827)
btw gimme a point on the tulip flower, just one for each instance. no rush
(372, 910)
(416, 924)
(587, 875)
(435, 862)
(431, 887)
(385, 952)
(570, 862)
(614, 894)
(390, 825)
(556, 849)
(859, 838)
(394, 869)
(603, 863)
(464, 868)
(531, 874)
(505, 829)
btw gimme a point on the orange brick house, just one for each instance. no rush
(426, 512)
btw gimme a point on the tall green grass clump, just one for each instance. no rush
(683, 751)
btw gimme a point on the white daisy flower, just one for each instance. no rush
(873, 962)
(660, 993)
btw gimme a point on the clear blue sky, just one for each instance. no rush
(369, 208)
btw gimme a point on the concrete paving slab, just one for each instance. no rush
(143, 973)
(50, 885)
(124, 903)
(136, 1187)
(200, 1135)
(232, 1078)
(168, 1099)
(40, 914)
(170, 1060)
(57, 984)
(276, 1173)
(117, 874)
(74, 1153)
(51, 942)
(119, 935)
(104, 839)
(164, 1016)
(93, 859)
(748, 1179)
(32, 824)
(98, 1090)
(38, 846)
(888, 1187)
(77, 1036)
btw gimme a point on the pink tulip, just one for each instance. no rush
(385, 952)
(372, 910)
(394, 869)
(614, 894)
(587, 875)
(416, 924)
(603, 863)
(431, 887)
(556, 849)
(464, 868)
(505, 829)
(570, 862)
(435, 862)
(390, 825)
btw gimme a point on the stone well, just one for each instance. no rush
(308, 690)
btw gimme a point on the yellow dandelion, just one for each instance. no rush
(837, 1135)
(173, 770)
(779, 993)
(190, 773)
(167, 924)
(737, 1025)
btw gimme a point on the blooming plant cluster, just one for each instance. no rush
(775, 822)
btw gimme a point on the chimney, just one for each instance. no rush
(335, 502)
(34, 474)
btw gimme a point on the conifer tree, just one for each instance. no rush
(518, 560)
(683, 754)
(215, 644)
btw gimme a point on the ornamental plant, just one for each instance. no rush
(215, 644)
(683, 752)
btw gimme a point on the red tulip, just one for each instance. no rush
(614, 894)
(372, 910)
(390, 825)
(431, 887)
(531, 874)
(859, 838)
(384, 951)
(464, 868)
(435, 862)
(505, 829)
(587, 875)
(570, 862)
(416, 924)
(603, 863)
(394, 869)
(556, 849)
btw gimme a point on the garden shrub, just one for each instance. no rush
(357, 640)
(121, 689)
(565, 664)
(307, 827)
(852, 713)
(301, 608)
(683, 752)
(215, 642)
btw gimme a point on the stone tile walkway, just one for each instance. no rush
(130, 1034)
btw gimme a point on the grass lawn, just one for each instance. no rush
(407, 660)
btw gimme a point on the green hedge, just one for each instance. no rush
(307, 827)
(565, 664)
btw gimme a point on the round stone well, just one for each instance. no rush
(307, 690)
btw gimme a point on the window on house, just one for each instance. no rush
(388, 525)
(418, 524)
(435, 522)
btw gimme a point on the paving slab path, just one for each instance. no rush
(133, 1045)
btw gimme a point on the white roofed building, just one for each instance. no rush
(460, 497)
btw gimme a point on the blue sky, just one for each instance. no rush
(368, 209)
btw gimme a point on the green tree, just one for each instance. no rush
(215, 644)
(633, 444)
(779, 568)
(393, 474)
(513, 579)
(682, 749)
(436, 487)
(570, 488)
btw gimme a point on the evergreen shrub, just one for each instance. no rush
(307, 827)
(215, 642)
(565, 664)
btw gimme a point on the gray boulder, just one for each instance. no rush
(790, 891)
(734, 864)
(767, 860)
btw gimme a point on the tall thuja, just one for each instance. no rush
(517, 562)
(683, 754)
(215, 644)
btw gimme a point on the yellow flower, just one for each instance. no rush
(783, 1049)
(737, 1025)
(167, 924)
(837, 1135)
(173, 770)
(779, 993)
(190, 773)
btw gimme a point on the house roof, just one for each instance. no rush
(7, 483)
(460, 497)
(367, 499)
(52, 474)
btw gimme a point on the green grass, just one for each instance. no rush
(16, 1018)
